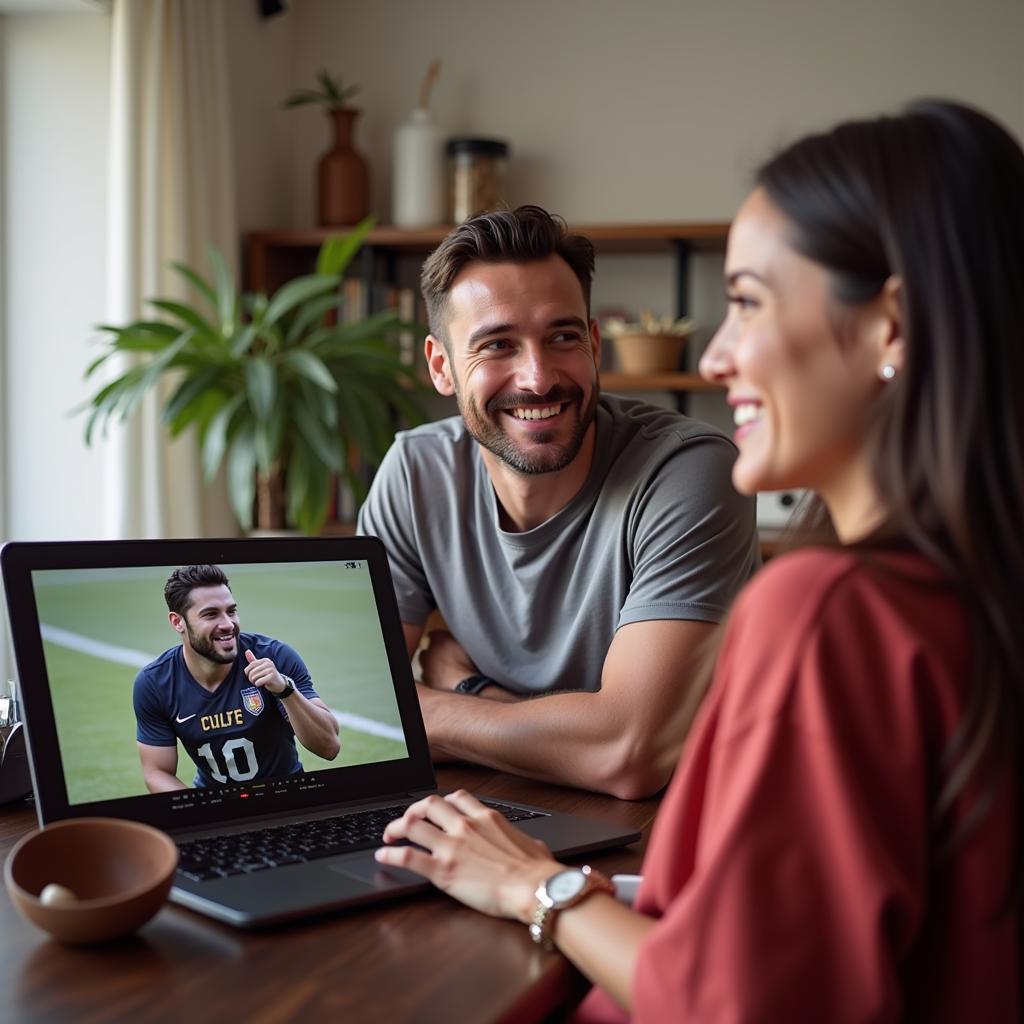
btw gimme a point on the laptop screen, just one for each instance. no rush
(112, 657)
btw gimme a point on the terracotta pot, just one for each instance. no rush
(649, 353)
(344, 178)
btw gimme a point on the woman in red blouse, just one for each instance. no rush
(840, 840)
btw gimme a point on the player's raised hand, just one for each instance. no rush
(263, 672)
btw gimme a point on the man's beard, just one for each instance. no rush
(206, 649)
(542, 455)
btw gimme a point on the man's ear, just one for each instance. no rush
(595, 340)
(439, 365)
(888, 333)
(177, 622)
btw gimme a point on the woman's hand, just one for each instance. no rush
(472, 853)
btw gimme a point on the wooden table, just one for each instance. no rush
(424, 958)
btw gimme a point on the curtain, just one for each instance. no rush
(171, 197)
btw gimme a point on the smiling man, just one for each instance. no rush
(579, 547)
(237, 701)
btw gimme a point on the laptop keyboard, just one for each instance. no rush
(279, 845)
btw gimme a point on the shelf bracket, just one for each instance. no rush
(681, 249)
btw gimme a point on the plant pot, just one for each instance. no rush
(649, 353)
(343, 176)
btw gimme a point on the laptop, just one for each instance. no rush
(87, 617)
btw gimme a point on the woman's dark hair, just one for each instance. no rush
(522, 235)
(180, 584)
(935, 196)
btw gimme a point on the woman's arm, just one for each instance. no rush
(472, 853)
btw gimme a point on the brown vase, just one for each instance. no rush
(344, 176)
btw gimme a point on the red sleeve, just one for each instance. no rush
(808, 847)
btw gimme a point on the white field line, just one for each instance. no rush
(98, 649)
(360, 724)
(137, 659)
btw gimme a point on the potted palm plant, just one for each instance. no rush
(280, 388)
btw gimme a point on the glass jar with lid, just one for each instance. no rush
(477, 176)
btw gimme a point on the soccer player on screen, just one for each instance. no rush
(237, 701)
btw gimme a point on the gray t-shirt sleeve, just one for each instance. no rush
(387, 513)
(693, 540)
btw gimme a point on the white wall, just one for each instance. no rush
(54, 123)
(260, 72)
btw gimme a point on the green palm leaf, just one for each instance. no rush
(187, 315)
(200, 284)
(338, 251)
(242, 475)
(187, 392)
(227, 300)
(215, 440)
(315, 433)
(302, 289)
(312, 367)
(261, 386)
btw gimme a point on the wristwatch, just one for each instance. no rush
(473, 684)
(289, 688)
(561, 891)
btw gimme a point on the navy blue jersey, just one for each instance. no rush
(236, 733)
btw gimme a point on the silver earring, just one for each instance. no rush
(888, 371)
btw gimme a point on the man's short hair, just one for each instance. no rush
(501, 236)
(180, 584)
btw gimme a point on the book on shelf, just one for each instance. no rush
(354, 295)
(360, 302)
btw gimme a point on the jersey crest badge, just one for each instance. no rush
(252, 700)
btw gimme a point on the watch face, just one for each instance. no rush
(566, 884)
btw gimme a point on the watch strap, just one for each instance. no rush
(545, 912)
(289, 688)
(474, 684)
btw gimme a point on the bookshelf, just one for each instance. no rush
(274, 256)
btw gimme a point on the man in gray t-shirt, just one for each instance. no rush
(578, 547)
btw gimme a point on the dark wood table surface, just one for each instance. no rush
(424, 958)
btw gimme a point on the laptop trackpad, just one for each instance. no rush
(369, 871)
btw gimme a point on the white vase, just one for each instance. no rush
(418, 192)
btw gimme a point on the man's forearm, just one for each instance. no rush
(158, 781)
(315, 727)
(576, 739)
(494, 691)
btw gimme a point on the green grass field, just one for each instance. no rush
(319, 609)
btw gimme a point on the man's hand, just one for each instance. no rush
(444, 663)
(263, 672)
(314, 725)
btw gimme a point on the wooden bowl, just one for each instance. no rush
(649, 353)
(120, 872)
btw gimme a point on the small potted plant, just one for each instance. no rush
(652, 345)
(277, 387)
(342, 173)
